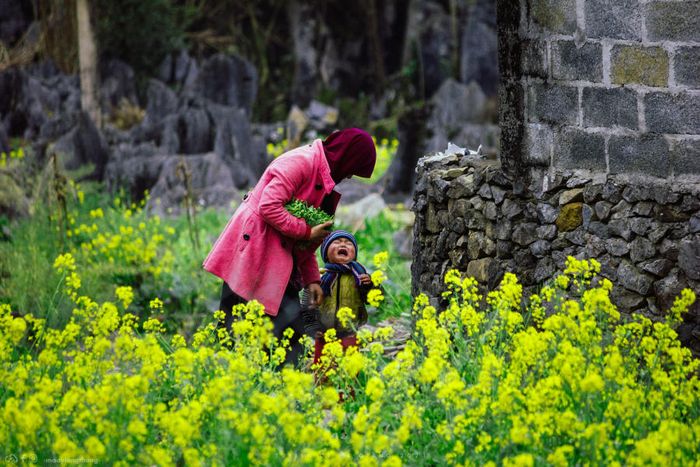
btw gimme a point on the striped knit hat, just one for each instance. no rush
(334, 236)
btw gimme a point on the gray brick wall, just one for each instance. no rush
(611, 86)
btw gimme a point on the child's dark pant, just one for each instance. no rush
(289, 316)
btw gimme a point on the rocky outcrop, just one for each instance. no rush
(479, 46)
(206, 121)
(459, 115)
(16, 17)
(456, 114)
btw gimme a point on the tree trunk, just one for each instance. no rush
(87, 56)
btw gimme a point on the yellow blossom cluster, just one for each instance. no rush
(375, 296)
(556, 379)
(125, 236)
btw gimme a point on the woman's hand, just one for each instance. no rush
(320, 231)
(315, 294)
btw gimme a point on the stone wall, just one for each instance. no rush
(612, 86)
(472, 216)
(599, 108)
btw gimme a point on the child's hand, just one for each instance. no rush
(315, 294)
(365, 279)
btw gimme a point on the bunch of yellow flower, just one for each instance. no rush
(15, 154)
(481, 382)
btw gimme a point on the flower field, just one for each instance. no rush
(110, 353)
(560, 381)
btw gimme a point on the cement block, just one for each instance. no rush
(551, 103)
(631, 64)
(672, 113)
(539, 140)
(614, 19)
(673, 21)
(687, 66)
(577, 149)
(610, 107)
(577, 63)
(685, 158)
(534, 58)
(556, 16)
(647, 155)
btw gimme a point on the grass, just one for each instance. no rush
(117, 243)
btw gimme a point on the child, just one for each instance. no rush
(345, 283)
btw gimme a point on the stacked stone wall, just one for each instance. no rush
(472, 216)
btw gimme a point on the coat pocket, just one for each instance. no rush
(247, 233)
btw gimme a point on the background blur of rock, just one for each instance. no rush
(192, 96)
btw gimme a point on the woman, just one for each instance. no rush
(261, 255)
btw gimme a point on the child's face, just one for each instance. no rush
(341, 250)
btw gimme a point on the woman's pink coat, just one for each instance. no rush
(256, 251)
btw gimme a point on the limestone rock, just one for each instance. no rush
(403, 242)
(668, 288)
(490, 211)
(571, 196)
(460, 208)
(630, 278)
(485, 191)
(540, 248)
(658, 267)
(546, 232)
(228, 80)
(544, 270)
(695, 223)
(480, 269)
(475, 244)
(431, 220)
(524, 234)
(617, 247)
(462, 187)
(641, 249)
(354, 215)
(626, 300)
(602, 209)
(210, 182)
(546, 213)
(510, 209)
(689, 257)
(599, 229)
(84, 144)
(504, 230)
(498, 194)
(570, 217)
(621, 228)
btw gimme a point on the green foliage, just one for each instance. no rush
(354, 112)
(313, 216)
(113, 242)
(141, 32)
(386, 150)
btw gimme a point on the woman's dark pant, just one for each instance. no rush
(289, 316)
